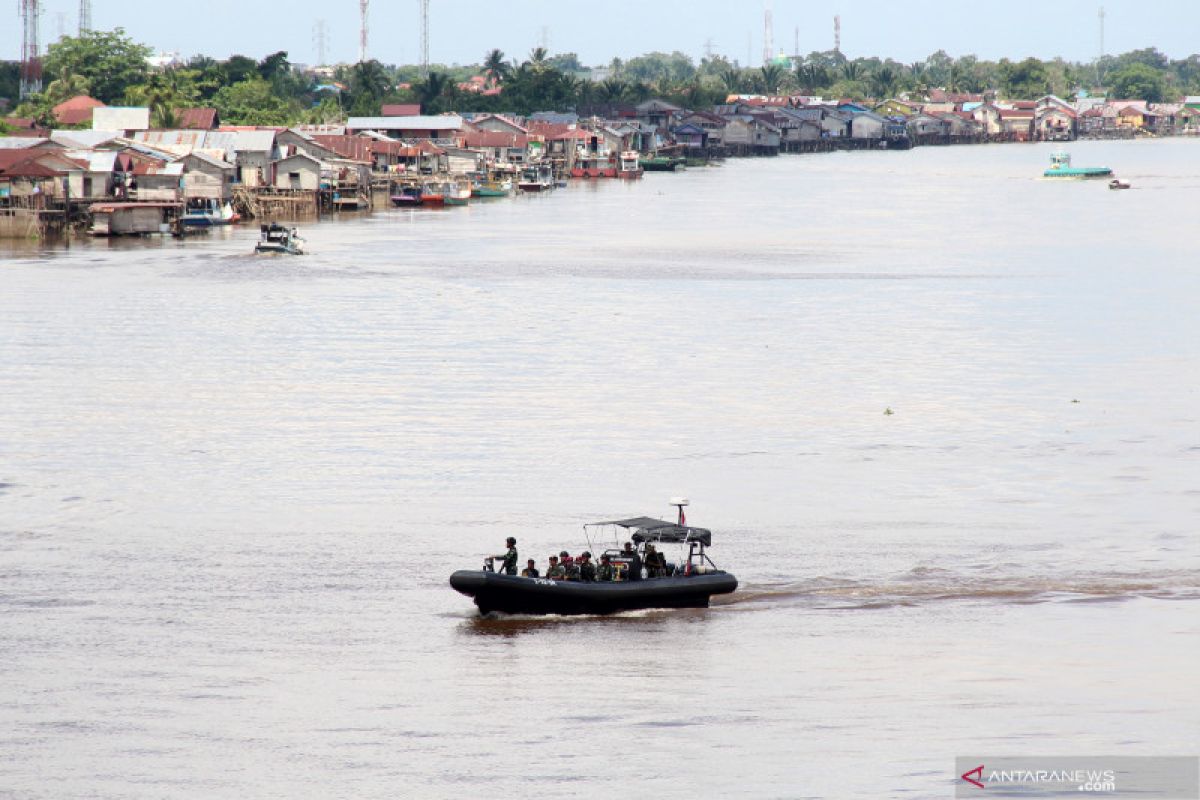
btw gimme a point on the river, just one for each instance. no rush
(941, 416)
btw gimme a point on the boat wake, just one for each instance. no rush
(925, 585)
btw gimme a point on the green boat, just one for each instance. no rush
(1060, 167)
(662, 163)
(493, 188)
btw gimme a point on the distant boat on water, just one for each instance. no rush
(537, 178)
(1060, 167)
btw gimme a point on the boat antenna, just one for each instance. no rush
(680, 502)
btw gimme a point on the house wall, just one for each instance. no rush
(307, 175)
(864, 127)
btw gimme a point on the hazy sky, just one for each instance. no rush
(462, 31)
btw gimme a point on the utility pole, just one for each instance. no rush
(363, 30)
(424, 38)
(31, 63)
(85, 16)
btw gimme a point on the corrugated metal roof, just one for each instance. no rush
(420, 123)
(20, 142)
(84, 138)
(254, 141)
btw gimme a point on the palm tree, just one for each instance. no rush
(851, 71)
(731, 79)
(430, 90)
(495, 65)
(883, 81)
(537, 58)
(771, 77)
(371, 78)
(612, 90)
(67, 85)
(812, 77)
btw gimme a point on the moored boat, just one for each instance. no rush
(491, 187)
(1118, 184)
(643, 576)
(630, 166)
(203, 212)
(1060, 167)
(407, 196)
(458, 192)
(659, 163)
(536, 178)
(594, 164)
(433, 193)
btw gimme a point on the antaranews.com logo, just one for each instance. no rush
(1142, 777)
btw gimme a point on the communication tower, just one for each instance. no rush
(362, 31)
(31, 62)
(768, 35)
(1101, 31)
(837, 33)
(425, 38)
(85, 16)
(320, 41)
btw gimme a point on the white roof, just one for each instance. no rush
(254, 141)
(20, 142)
(450, 122)
(98, 160)
(121, 118)
(85, 139)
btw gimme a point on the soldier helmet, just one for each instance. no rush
(511, 540)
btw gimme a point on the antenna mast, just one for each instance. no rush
(1101, 31)
(837, 33)
(85, 16)
(31, 63)
(362, 33)
(768, 35)
(320, 41)
(425, 38)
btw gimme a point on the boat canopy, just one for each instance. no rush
(649, 529)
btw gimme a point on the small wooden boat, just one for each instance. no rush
(536, 178)
(458, 192)
(205, 212)
(657, 163)
(493, 187)
(1060, 167)
(1118, 184)
(279, 239)
(630, 166)
(433, 193)
(407, 197)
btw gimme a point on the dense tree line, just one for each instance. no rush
(111, 67)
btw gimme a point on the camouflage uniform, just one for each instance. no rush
(509, 567)
(604, 572)
(556, 572)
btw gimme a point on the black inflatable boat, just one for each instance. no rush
(688, 582)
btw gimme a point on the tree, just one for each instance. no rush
(109, 61)
(495, 66)
(883, 82)
(273, 65)
(1138, 81)
(253, 102)
(431, 91)
(813, 76)
(771, 75)
(1027, 79)
(65, 87)
(238, 68)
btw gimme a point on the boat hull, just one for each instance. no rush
(512, 595)
(1078, 172)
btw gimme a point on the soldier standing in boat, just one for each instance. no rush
(509, 565)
